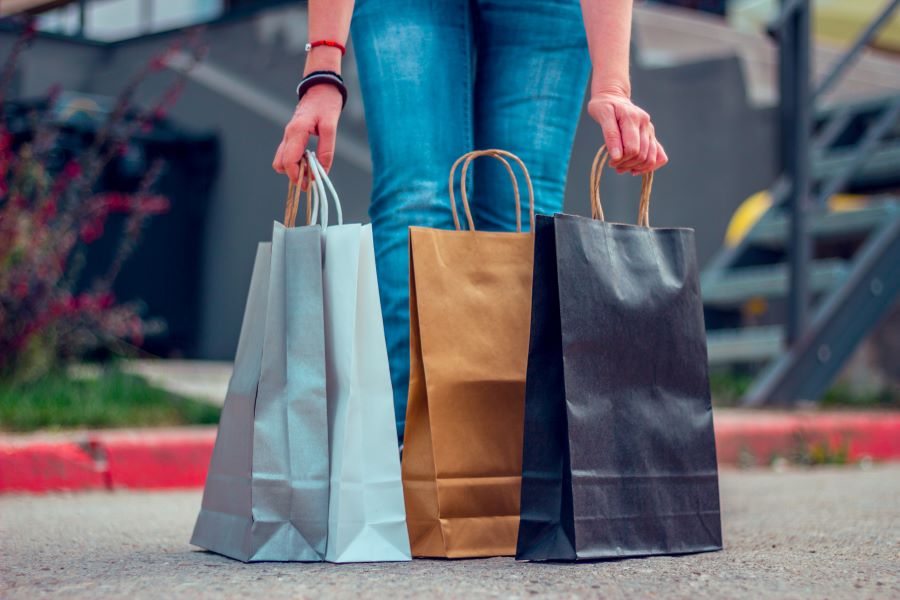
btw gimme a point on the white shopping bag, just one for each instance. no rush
(367, 516)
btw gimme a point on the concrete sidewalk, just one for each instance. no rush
(821, 533)
(198, 379)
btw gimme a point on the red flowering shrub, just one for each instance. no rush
(49, 214)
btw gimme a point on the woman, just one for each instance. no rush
(443, 77)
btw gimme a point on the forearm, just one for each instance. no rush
(608, 27)
(328, 20)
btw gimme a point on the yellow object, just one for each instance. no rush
(837, 21)
(746, 216)
(843, 20)
(753, 208)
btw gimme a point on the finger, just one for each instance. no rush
(650, 161)
(296, 145)
(606, 117)
(276, 162)
(646, 143)
(291, 164)
(631, 139)
(327, 131)
(661, 157)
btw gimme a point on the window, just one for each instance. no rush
(110, 20)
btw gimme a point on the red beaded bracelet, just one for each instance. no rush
(329, 43)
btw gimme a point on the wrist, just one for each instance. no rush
(611, 88)
(323, 58)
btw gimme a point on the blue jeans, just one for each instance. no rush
(440, 78)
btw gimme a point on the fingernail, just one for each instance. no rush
(616, 154)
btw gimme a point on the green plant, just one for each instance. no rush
(110, 399)
(728, 386)
(819, 452)
(842, 394)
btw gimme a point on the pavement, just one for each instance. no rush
(794, 533)
(205, 380)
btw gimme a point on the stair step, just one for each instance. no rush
(884, 163)
(769, 281)
(868, 104)
(753, 344)
(773, 232)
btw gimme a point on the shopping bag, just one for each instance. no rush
(266, 494)
(367, 518)
(619, 455)
(470, 297)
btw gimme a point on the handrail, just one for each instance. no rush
(837, 70)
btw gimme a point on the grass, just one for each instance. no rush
(728, 387)
(111, 399)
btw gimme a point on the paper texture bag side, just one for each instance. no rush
(385, 510)
(367, 518)
(225, 519)
(340, 286)
(546, 529)
(290, 445)
(372, 522)
(426, 536)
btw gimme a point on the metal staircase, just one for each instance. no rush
(807, 283)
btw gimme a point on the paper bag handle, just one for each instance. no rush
(314, 174)
(597, 207)
(295, 190)
(499, 155)
(323, 181)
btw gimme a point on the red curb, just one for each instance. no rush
(744, 437)
(178, 458)
(141, 459)
(42, 466)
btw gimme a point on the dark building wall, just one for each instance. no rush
(720, 148)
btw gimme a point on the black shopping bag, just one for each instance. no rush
(619, 454)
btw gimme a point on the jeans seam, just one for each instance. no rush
(470, 76)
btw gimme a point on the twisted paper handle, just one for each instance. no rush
(499, 155)
(293, 196)
(597, 207)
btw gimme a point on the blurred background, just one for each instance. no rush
(159, 118)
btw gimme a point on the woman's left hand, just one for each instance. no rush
(629, 133)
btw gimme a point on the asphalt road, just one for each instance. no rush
(826, 533)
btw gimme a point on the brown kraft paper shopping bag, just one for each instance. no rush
(470, 310)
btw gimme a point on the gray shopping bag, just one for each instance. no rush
(266, 494)
(619, 454)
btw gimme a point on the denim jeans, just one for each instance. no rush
(440, 78)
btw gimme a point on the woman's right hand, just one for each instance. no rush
(316, 114)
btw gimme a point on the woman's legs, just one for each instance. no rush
(532, 70)
(415, 66)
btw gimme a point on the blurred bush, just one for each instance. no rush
(51, 210)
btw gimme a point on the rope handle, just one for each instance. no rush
(466, 159)
(597, 207)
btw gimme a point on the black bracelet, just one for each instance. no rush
(319, 77)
